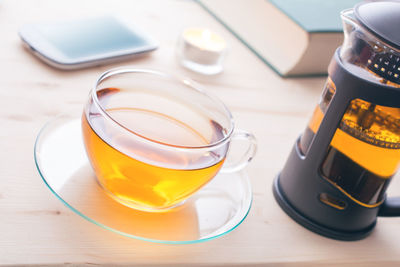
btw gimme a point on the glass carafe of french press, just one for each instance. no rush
(335, 179)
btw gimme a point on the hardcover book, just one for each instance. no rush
(293, 37)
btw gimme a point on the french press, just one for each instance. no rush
(336, 176)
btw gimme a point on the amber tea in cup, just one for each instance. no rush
(154, 140)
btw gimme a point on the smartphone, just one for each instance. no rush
(86, 42)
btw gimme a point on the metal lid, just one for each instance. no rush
(382, 18)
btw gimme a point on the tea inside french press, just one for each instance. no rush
(364, 153)
(335, 179)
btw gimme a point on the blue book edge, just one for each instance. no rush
(299, 22)
(252, 49)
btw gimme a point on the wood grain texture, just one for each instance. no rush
(37, 229)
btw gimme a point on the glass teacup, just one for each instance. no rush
(153, 140)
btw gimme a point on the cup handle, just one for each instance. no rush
(390, 207)
(246, 157)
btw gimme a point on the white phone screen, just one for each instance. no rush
(86, 38)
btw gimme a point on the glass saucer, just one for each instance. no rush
(213, 211)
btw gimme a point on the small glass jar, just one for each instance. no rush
(201, 50)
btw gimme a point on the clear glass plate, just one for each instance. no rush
(215, 210)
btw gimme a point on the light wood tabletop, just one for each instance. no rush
(37, 229)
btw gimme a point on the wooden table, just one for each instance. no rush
(37, 229)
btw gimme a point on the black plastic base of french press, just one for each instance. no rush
(313, 226)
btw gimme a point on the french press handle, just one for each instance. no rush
(390, 207)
